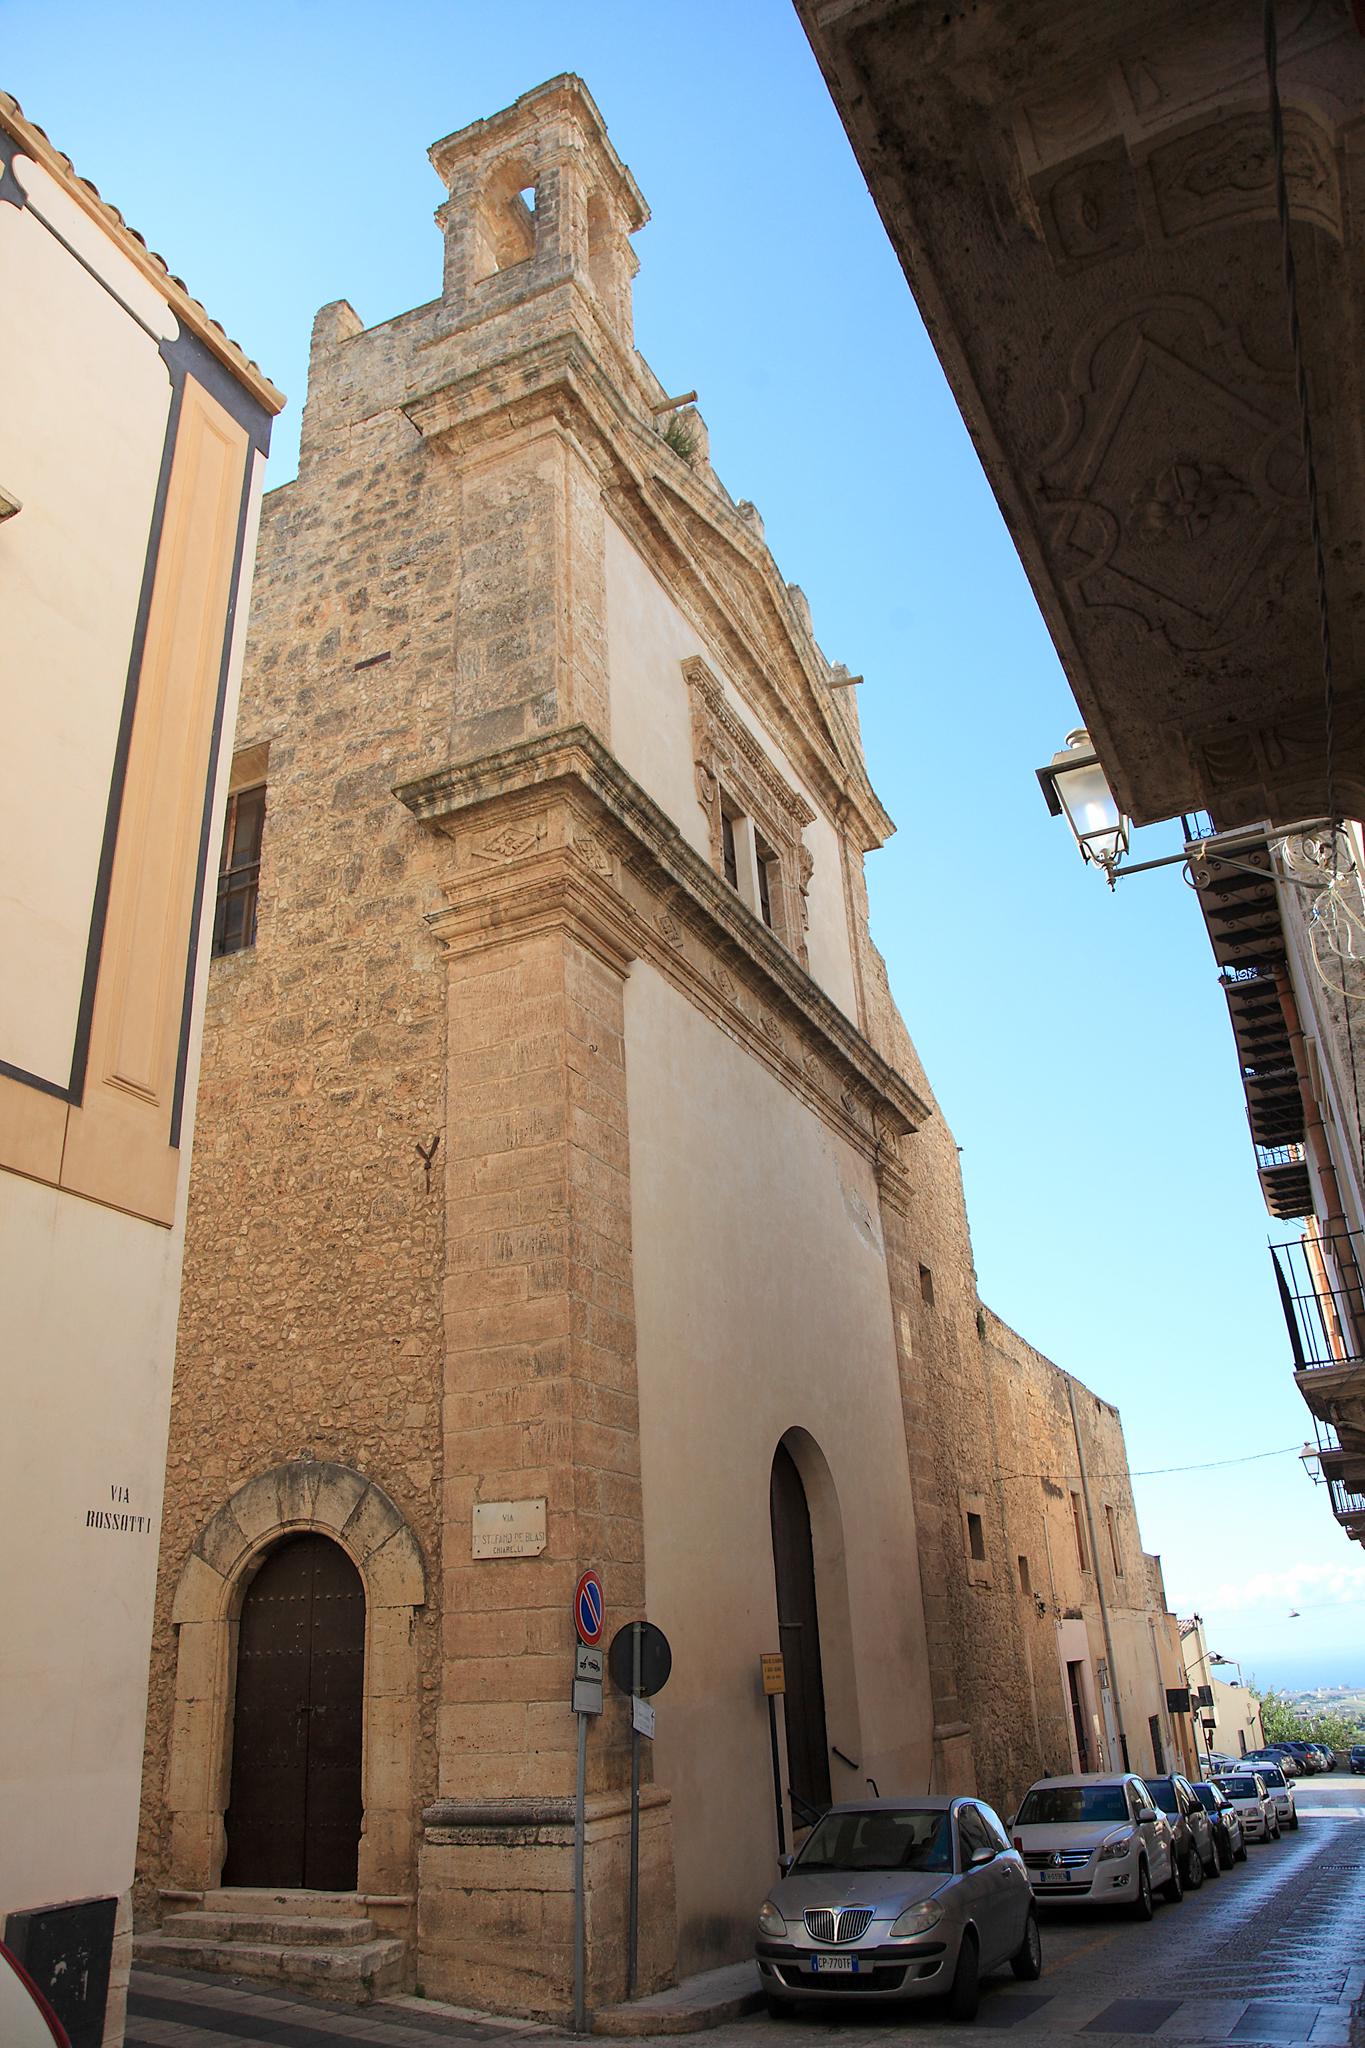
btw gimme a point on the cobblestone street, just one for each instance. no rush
(1272, 1952)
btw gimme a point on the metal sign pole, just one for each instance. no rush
(777, 1776)
(580, 1992)
(633, 1937)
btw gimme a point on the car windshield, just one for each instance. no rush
(912, 1838)
(1163, 1791)
(1240, 1788)
(1048, 1805)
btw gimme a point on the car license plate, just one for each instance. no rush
(1056, 1877)
(824, 1964)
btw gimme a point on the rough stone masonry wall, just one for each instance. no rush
(312, 1312)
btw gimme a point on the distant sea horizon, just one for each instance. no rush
(1305, 1672)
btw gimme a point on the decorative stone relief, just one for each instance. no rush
(594, 856)
(723, 981)
(1090, 209)
(805, 869)
(670, 928)
(1227, 172)
(1175, 483)
(514, 840)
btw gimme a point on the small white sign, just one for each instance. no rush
(587, 1695)
(588, 1663)
(642, 1717)
(509, 1528)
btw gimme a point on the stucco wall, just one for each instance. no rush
(89, 1315)
(649, 638)
(762, 1305)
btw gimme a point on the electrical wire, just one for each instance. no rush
(1159, 1471)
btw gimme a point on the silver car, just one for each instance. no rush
(898, 1898)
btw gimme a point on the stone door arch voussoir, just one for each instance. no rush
(340, 1503)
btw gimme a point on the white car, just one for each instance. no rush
(1282, 1792)
(1097, 1840)
(1245, 1791)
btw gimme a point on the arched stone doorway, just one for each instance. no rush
(334, 1502)
(798, 1625)
(294, 1808)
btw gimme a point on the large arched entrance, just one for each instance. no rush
(294, 1810)
(798, 1622)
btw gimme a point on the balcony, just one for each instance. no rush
(1349, 1509)
(1323, 1297)
(1284, 1180)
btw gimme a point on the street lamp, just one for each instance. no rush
(1077, 788)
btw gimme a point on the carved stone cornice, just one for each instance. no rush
(708, 556)
(553, 834)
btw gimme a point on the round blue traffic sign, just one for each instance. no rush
(589, 1608)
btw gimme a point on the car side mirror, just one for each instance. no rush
(785, 1862)
(1145, 1814)
(980, 1856)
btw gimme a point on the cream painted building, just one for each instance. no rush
(132, 443)
(566, 1170)
(1228, 1716)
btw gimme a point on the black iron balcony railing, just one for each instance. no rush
(1270, 1157)
(1348, 1507)
(1323, 1298)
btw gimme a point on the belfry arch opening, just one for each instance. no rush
(295, 1805)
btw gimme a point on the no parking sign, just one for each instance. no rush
(589, 1608)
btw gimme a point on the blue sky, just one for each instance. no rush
(1077, 1041)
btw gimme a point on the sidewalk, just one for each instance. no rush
(190, 2009)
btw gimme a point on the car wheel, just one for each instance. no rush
(1141, 1908)
(1214, 1866)
(1027, 1960)
(1194, 1869)
(1275, 1829)
(1226, 1853)
(1294, 1821)
(1173, 1891)
(965, 1995)
(1240, 1852)
(779, 2008)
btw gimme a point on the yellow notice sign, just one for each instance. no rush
(774, 1675)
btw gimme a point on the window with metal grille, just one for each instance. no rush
(239, 871)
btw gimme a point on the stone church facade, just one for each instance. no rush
(559, 1143)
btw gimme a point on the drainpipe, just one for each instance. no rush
(1099, 1575)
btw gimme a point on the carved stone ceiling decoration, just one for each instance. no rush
(1174, 492)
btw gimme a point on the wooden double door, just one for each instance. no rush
(294, 1813)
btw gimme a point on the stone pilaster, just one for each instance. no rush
(539, 1403)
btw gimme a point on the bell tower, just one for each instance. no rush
(538, 198)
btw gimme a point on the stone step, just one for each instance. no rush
(351, 1976)
(304, 1930)
(273, 1904)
